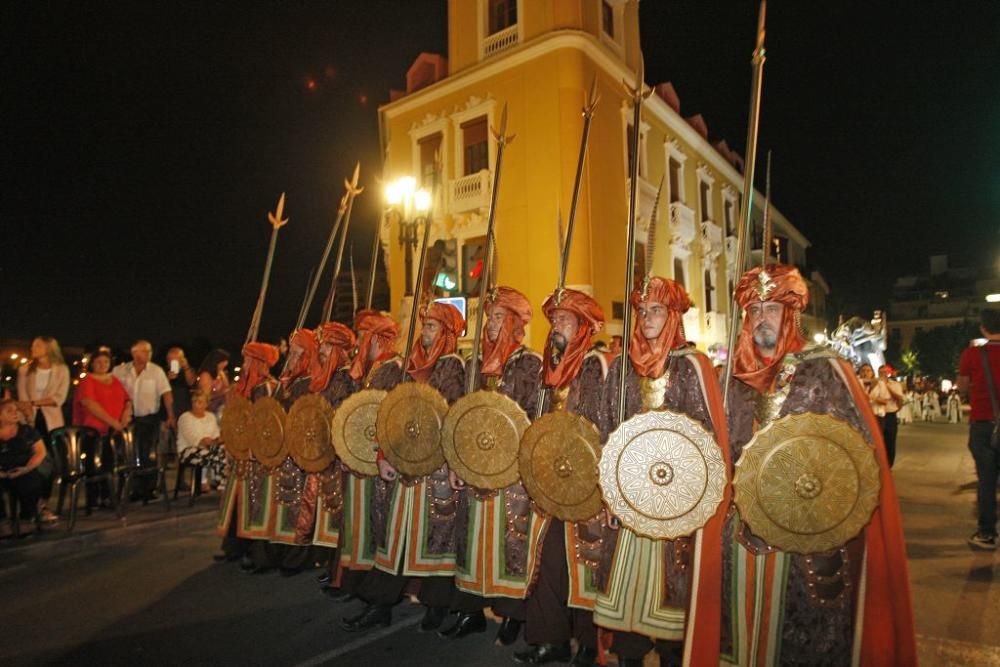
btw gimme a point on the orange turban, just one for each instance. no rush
(257, 361)
(650, 357)
(783, 284)
(341, 338)
(591, 319)
(421, 363)
(496, 353)
(306, 341)
(371, 327)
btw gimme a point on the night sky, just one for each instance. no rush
(145, 142)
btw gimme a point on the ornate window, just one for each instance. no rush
(502, 15)
(475, 145)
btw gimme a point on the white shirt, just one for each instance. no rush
(144, 389)
(191, 430)
(42, 376)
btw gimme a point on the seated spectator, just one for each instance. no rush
(213, 380)
(198, 441)
(24, 467)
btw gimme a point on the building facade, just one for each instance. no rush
(539, 58)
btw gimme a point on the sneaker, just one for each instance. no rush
(980, 541)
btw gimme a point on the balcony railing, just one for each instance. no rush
(682, 229)
(470, 192)
(500, 41)
(730, 250)
(711, 239)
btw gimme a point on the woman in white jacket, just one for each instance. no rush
(42, 386)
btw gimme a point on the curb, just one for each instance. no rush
(75, 543)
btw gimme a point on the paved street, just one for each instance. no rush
(156, 596)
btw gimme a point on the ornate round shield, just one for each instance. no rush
(236, 428)
(481, 438)
(307, 432)
(662, 474)
(558, 465)
(354, 427)
(409, 428)
(807, 483)
(268, 444)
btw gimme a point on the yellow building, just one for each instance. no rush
(539, 57)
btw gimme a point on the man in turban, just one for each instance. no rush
(561, 601)
(414, 541)
(492, 528)
(850, 605)
(655, 595)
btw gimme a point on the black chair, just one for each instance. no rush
(129, 465)
(195, 488)
(71, 447)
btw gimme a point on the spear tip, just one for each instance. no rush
(357, 172)
(276, 219)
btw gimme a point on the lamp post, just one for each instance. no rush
(410, 206)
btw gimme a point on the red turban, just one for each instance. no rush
(305, 340)
(421, 363)
(783, 284)
(257, 361)
(591, 318)
(341, 338)
(650, 357)
(496, 353)
(373, 327)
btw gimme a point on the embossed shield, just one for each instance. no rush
(236, 428)
(354, 428)
(409, 428)
(662, 474)
(307, 432)
(267, 419)
(481, 439)
(558, 465)
(807, 483)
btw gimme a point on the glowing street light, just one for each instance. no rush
(410, 205)
(993, 298)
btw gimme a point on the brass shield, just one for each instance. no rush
(354, 428)
(409, 428)
(236, 428)
(558, 465)
(307, 432)
(662, 474)
(481, 439)
(807, 483)
(267, 418)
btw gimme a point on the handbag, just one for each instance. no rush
(995, 435)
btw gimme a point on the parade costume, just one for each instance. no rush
(847, 606)
(568, 555)
(662, 590)
(494, 527)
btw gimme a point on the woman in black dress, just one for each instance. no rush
(21, 453)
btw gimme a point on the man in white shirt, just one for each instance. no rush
(147, 386)
(887, 398)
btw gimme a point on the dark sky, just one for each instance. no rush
(145, 142)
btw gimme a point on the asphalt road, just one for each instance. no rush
(156, 597)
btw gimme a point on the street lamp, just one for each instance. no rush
(410, 205)
(992, 298)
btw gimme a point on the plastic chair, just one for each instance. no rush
(194, 489)
(70, 465)
(129, 465)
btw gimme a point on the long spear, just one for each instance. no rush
(352, 191)
(484, 280)
(376, 241)
(746, 205)
(565, 241)
(277, 222)
(638, 95)
(768, 236)
(301, 317)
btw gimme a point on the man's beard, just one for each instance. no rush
(765, 337)
(558, 347)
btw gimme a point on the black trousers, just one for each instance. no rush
(147, 435)
(987, 472)
(22, 491)
(629, 645)
(549, 619)
(890, 426)
(469, 603)
(43, 430)
(382, 588)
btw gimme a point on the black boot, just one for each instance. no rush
(629, 662)
(466, 624)
(510, 628)
(324, 578)
(374, 614)
(543, 653)
(337, 596)
(585, 657)
(433, 618)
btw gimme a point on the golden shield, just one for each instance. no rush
(267, 418)
(354, 428)
(236, 428)
(481, 438)
(307, 432)
(409, 428)
(662, 474)
(807, 483)
(558, 464)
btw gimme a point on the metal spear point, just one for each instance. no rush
(352, 191)
(277, 221)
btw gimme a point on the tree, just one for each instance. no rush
(938, 349)
(909, 362)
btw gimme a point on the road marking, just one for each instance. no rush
(323, 658)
